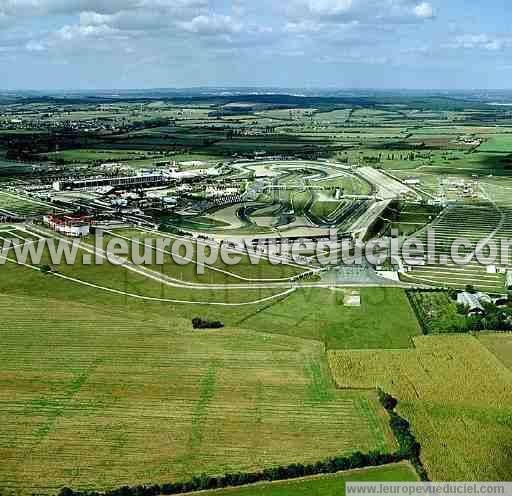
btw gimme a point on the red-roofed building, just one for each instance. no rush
(75, 226)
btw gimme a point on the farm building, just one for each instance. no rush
(75, 226)
(474, 301)
(352, 299)
(508, 277)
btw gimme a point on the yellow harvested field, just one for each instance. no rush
(500, 345)
(456, 394)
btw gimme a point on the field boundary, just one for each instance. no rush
(301, 479)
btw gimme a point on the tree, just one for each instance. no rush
(65, 491)
(387, 401)
(462, 309)
(46, 269)
(198, 323)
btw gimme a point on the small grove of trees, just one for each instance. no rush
(306, 276)
(164, 227)
(409, 447)
(198, 323)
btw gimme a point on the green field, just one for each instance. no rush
(350, 184)
(147, 373)
(316, 314)
(501, 143)
(409, 218)
(114, 286)
(333, 485)
(8, 168)
(334, 116)
(320, 315)
(92, 155)
(23, 207)
(325, 209)
(95, 397)
(218, 272)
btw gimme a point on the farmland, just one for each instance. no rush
(436, 311)
(501, 143)
(500, 345)
(321, 316)
(455, 393)
(137, 158)
(156, 401)
(104, 381)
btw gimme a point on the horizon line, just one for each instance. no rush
(249, 87)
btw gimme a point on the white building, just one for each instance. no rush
(474, 301)
(509, 279)
(412, 181)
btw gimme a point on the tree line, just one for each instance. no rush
(408, 447)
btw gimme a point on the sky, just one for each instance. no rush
(382, 44)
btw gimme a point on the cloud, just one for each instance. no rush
(365, 11)
(494, 45)
(212, 25)
(94, 18)
(125, 15)
(27, 8)
(48, 7)
(305, 26)
(78, 38)
(480, 41)
(150, 28)
(329, 7)
(424, 10)
(70, 33)
(147, 21)
(138, 20)
(355, 57)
